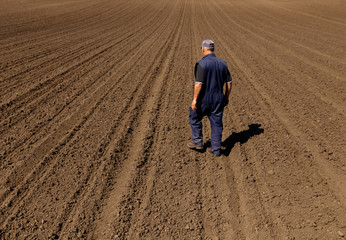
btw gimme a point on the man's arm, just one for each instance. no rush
(228, 87)
(197, 90)
(228, 91)
(200, 78)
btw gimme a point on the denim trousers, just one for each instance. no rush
(215, 119)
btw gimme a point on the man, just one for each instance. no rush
(211, 74)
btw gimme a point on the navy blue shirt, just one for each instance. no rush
(200, 75)
(213, 73)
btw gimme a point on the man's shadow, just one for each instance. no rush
(241, 137)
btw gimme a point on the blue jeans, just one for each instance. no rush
(215, 119)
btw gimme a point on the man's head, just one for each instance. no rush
(207, 47)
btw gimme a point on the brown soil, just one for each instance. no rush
(94, 99)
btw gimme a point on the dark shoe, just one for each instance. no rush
(216, 154)
(195, 146)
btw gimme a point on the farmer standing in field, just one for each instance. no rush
(211, 73)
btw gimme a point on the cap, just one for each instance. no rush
(207, 43)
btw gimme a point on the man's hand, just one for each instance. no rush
(226, 101)
(227, 93)
(194, 105)
(197, 90)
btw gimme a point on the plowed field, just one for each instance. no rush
(94, 99)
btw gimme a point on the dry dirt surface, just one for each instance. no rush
(94, 120)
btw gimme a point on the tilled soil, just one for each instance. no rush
(94, 120)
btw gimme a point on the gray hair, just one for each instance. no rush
(210, 49)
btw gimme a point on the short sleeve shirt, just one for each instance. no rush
(200, 75)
